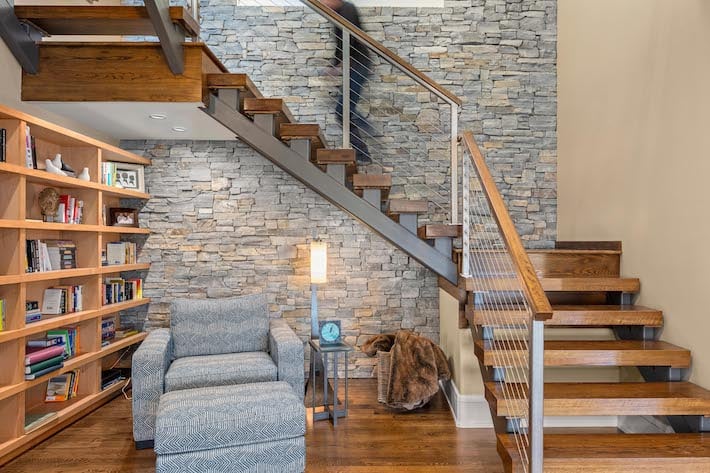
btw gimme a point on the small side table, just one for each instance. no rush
(332, 352)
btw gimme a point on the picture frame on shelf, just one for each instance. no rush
(130, 176)
(123, 217)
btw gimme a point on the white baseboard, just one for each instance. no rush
(471, 411)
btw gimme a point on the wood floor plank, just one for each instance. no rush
(372, 438)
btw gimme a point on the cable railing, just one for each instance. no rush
(509, 304)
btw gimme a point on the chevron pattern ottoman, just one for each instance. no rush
(247, 428)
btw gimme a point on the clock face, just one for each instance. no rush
(330, 332)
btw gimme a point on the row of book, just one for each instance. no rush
(63, 300)
(116, 290)
(43, 356)
(120, 252)
(108, 174)
(70, 210)
(50, 255)
(63, 387)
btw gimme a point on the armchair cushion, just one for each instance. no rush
(219, 370)
(217, 326)
(150, 362)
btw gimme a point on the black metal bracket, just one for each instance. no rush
(332, 190)
(663, 374)
(635, 332)
(20, 38)
(168, 33)
(689, 424)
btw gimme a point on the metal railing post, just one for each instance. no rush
(466, 215)
(454, 164)
(345, 64)
(537, 395)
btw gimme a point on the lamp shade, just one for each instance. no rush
(319, 262)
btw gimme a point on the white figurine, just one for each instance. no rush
(84, 176)
(57, 161)
(52, 169)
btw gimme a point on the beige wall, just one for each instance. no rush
(634, 141)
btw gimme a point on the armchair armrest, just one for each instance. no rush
(150, 363)
(287, 352)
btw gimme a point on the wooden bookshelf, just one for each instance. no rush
(21, 220)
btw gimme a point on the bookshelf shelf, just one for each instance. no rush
(20, 223)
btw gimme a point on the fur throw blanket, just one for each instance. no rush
(416, 366)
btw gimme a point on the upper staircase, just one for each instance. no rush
(505, 292)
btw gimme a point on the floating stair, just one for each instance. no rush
(407, 212)
(441, 235)
(578, 316)
(374, 188)
(304, 138)
(338, 163)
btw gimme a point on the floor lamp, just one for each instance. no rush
(319, 273)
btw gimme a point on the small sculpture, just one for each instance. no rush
(52, 169)
(48, 203)
(84, 176)
(59, 164)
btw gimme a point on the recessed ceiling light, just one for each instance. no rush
(158, 116)
(179, 129)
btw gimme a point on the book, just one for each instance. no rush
(3, 322)
(29, 162)
(43, 342)
(62, 388)
(111, 377)
(39, 374)
(116, 253)
(52, 301)
(35, 367)
(3, 145)
(35, 420)
(69, 337)
(37, 354)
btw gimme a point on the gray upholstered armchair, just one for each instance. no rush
(212, 342)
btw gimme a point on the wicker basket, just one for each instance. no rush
(383, 375)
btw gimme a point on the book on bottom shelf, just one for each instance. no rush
(111, 377)
(63, 387)
(35, 420)
(3, 322)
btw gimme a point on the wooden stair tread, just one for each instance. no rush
(268, 106)
(305, 131)
(604, 399)
(100, 20)
(586, 353)
(589, 245)
(439, 230)
(372, 181)
(576, 315)
(615, 453)
(335, 156)
(407, 206)
(631, 285)
(230, 80)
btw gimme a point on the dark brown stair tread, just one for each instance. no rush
(604, 399)
(587, 353)
(631, 285)
(564, 263)
(335, 156)
(268, 106)
(372, 181)
(576, 315)
(101, 20)
(612, 453)
(589, 245)
(439, 230)
(402, 206)
(227, 80)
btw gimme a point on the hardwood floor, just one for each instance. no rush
(371, 439)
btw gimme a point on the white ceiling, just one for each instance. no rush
(131, 120)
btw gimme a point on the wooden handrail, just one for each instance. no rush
(532, 288)
(383, 51)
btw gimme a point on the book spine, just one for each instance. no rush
(44, 354)
(28, 147)
(35, 367)
(30, 377)
(3, 145)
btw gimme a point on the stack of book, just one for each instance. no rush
(68, 338)
(108, 331)
(42, 357)
(3, 322)
(120, 290)
(120, 252)
(50, 255)
(71, 210)
(32, 312)
(111, 377)
(62, 388)
(63, 300)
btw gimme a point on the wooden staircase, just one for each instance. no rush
(588, 292)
